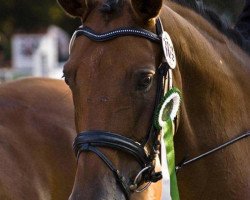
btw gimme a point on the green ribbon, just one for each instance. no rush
(166, 113)
(168, 132)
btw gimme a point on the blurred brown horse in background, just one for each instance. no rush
(114, 88)
(36, 133)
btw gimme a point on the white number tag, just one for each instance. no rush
(168, 49)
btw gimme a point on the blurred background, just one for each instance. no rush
(34, 35)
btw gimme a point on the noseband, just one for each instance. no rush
(90, 141)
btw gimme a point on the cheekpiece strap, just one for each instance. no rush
(159, 27)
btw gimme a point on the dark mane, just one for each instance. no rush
(222, 25)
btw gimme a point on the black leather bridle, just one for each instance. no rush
(89, 141)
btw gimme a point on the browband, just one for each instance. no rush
(124, 31)
(86, 31)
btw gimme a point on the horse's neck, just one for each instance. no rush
(213, 75)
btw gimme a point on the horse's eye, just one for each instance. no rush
(145, 82)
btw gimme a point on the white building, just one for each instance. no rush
(40, 54)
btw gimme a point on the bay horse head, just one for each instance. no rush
(116, 73)
(114, 88)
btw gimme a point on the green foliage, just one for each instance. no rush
(25, 16)
(32, 16)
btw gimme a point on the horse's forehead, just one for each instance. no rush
(115, 52)
(108, 6)
(109, 15)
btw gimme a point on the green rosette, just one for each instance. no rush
(165, 116)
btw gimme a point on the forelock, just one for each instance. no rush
(110, 6)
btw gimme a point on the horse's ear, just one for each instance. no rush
(148, 9)
(72, 7)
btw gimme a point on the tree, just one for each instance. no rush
(19, 16)
(30, 16)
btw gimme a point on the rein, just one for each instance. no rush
(185, 162)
